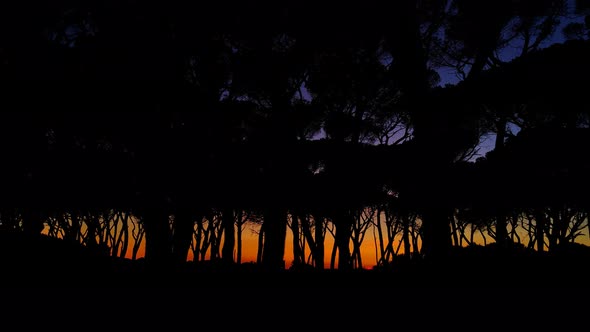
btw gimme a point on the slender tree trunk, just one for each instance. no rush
(380, 236)
(239, 237)
(342, 241)
(138, 234)
(540, 232)
(415, 237)
(483, 236)
(357, 258)
(298, 258)
(333, 256)
(463, 237)
(501, 231)
(319, 242)
(229, 240)
(406, 235)
(124, 235)
(261, 241)
(208, 237)
(216, 236)
(390, 224)
(199, 234)
(553, 220)
(74, 233)
(501, 225)
(305, 230)
(456, 241)
(91, 230)
(514, 237)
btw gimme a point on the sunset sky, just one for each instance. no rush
(369, 246)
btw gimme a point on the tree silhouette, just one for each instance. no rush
(170, 126)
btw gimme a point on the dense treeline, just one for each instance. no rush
(176, 124)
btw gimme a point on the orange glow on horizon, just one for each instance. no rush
(369, 247)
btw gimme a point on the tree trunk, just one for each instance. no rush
(215, 240)
(415, 237)
(229, 240)
(478, 66)
(357, 257)
(138, 234)
(406, 235)
(298, 258)
(553, 232)
(483, 237)
(501, 231)
(380, 237)
(305, 230)
(92, 224)
(342, 241)
(436, 240)
(540, 232)
(333, 256)
(430, 134)
(390, 227)
(124, 235)
(158, 247)
(501, 225)
(319, 242)
(182, 236)
(198, 235)
(239, 237)
(275, 221)
(261, 234)
(455, 231)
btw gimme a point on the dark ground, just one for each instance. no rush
(47, 282)
(40, 262)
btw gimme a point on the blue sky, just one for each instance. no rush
(448, 74)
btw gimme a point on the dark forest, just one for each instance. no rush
(134, 133)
